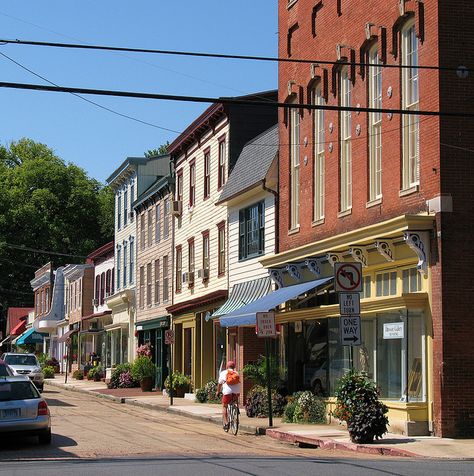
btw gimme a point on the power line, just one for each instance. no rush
(229, 100)
(218, 55)
(46, 252)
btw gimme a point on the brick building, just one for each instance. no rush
(389, 190)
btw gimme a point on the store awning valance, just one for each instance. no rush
(243, 294)
(19, 328)
(67, 335)
(158, 323)
(31, 337)
(246, 315)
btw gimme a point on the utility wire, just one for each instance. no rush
(88, 100)
(229, 100)
(46, 252)
(219, 55)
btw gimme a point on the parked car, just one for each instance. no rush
(316, 377)
(5, 370)
(23, 410)
(26, 364)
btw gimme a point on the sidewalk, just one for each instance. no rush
(322, 436)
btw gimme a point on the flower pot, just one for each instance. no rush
(361, 439)
(146, 384)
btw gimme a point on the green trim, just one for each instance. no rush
(158, 323)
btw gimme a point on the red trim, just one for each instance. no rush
(19, 328)
(192, 187)
(198, 302)
(103, 251)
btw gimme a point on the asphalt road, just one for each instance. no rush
(105, 438)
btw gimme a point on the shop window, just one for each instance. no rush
(411, 279)
(386, 284)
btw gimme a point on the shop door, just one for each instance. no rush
(159, 358)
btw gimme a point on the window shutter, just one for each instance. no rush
(242, 253)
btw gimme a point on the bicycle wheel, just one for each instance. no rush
(234, 418)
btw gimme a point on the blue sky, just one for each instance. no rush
(99, 141)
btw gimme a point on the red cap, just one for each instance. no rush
(230, 364)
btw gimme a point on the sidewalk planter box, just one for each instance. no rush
(146, 384)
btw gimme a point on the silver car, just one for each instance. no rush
(22, 409)
(26, 364)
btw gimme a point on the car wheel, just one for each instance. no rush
(45, 437)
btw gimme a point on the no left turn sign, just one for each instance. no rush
(348, 277)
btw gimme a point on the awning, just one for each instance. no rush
(67, 335)
(31, 337)
(246, 315)
(243, 294)
(19, 328)
(157, 323)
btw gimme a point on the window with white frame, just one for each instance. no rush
(119, 211)
(192, 184)
(166, 219)
(191, 261)
(319, 158)
(141, 300)
(179, 269)
(222, 162)
(125, 207)
(252, 230)
(132, 260)
(125, 263)
(148, 284)
(119, 259)
(375, 125)
(294, 168)
(157, 281)
(346, 142)
(410, 102)
(142, 231)
(165, 279)
(205, 250)
(386, 284)
(158, 223)
(221, 249)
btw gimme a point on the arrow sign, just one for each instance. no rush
(350, 330)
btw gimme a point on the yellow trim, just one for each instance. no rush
(388, 229)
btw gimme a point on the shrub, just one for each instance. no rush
(95, 373)
(211, 389)
(78, 375)
(357, 403)
(115, 377)
(201, 395)
(256, 404)
(126, 380)
(309, 409)
(257, 371)
(289, 411)
(143, 367)
(180, 381)
(48, 371)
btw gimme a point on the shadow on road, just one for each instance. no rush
(27, 447)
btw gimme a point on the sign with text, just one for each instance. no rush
(393, 330)
(266, 324)
(349, 304)
(347, 277)
(350, 330)
(169, 337)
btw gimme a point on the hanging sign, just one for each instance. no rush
(350, 330)
(266, 324)
(393, 330)
(348, 277)
(349, 304)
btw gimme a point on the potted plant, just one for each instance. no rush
(181, 384)
(357, 404)
(95, 373)
(144, 370)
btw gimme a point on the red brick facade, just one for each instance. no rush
(309, 29)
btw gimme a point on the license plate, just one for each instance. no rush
(10, 413)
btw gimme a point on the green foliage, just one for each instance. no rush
(46, 204)
(208, 393)
(180, 381)
(118, 381)
(257, 372)
(48, 371)
(78, 375)
(143, 367)
(201, 395)
(357, 403)
(256, 404)
(162, 150)
(95, 373)
(309, 409)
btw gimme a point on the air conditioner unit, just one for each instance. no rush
(190, 278)
(203, 273)
(177, 208)
(131, 214)
(107, 294)
(95, 302)
(185, 277)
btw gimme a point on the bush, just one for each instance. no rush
(309, 409)
(142, 368)
(126, 380)
(180, 381)
(211, 389)
(256, 404)
(78, 375)
(257, 372)
(357, 403)
(289, 411)
(48, 371)
(115, 381)
(201, 395)
(95, 373)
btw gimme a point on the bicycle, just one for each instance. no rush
(233, 413)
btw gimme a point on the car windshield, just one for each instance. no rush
(20, 360)
(4, 371)
(20, 390)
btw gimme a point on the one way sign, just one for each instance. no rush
(350, 330)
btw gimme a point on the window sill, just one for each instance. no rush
(221, 275)
(248, 258)
(293, 231)
(374, 202)
(344, 213)
(408, 191)
(318, 222)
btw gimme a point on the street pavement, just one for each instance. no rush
(99, 436)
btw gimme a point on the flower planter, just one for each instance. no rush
(146, 384)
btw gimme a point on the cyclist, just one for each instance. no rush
(229, 383)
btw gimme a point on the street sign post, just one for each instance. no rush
(349, 304)
(348, 277)
(169, 340)
(350, 330)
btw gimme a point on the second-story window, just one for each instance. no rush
(207, 173)
(132, 197)
(142, 231)
(179, 269)
(205, 251)
(192, 184)
(252, 231)
(158, 223)
(148, 284)
(125, 208)
(157, 281)
(119, 211)
(345, 132)
(179, 185)
(222, 162)
(221, 249)
(150, 226)
(125, 263)
(319, 157)
(132, 260)
(375, 126)
(191, 262)
(141, 299)
(119, 259)
(294, 168)
(165, 279)
(102, 289)
(166, 219)
(410, 102)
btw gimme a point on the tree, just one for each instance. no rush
(162, 150)
(46, 204)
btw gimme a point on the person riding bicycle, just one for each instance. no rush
(229, 383)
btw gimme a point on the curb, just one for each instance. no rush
(330, 444)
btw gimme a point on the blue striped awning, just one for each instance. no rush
(246, 315)
(243, 294)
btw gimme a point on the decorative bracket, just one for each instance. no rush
(294, 272)
(359, 254)
(419, 242)
(314, 266)
(334, 258)
(276, 277)
(386, 249)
